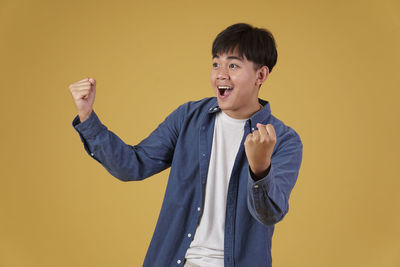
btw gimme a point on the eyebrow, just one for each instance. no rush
(230, 57)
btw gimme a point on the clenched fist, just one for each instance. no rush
(83, 93)
(259, 146)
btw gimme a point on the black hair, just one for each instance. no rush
(257, 44)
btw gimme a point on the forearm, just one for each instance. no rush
(121, 160)
(266, 202)
(268, 196)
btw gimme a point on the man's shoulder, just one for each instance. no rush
(202, 102)
(199, 105)
(283, 130)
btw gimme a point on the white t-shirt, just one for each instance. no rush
(207, 247)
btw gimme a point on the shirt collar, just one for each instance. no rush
(258, 117)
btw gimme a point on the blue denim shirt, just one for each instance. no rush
(183, 142)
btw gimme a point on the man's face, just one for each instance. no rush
(236, 84)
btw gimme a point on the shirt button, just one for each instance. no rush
(256, 186)
(252, 129)
(198, 209)
(215, 108)
(178, 261)
(189, 235)
(204, 155)
(92, 154)
(210, 108)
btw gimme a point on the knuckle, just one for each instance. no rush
(263, 141)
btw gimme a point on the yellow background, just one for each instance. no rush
(336, 83)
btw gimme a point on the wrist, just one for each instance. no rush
(260, 172)
(85, 116)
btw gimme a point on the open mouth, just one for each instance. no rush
(224, 90)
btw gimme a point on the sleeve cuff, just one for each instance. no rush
(253, 176)
(264, 181)
(90, 127)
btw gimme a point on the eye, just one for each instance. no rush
(215, 65)
(233, 66)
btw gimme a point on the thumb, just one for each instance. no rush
(92, 81)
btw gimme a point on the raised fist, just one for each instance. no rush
(259, 146)
(83, 93)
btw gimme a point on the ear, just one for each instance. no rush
(262, 74)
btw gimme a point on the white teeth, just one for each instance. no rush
(224, 87)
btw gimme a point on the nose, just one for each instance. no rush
(222, 73)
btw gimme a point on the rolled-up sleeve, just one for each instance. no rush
(130, 162)
(268, 197)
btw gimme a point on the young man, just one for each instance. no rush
(233, 164)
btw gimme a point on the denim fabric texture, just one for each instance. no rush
(183, 142)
